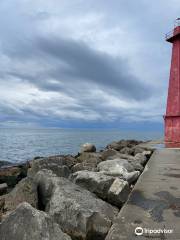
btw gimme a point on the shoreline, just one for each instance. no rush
(103, 179)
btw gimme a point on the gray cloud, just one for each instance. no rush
(83, 64)
(108, 66)
(87, 64)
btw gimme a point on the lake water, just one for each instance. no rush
(18, 145)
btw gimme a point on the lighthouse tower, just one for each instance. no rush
(172, 117)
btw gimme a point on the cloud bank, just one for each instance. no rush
(99, 63)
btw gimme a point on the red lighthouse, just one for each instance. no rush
(172, 117)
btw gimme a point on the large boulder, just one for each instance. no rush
(87, 161)
(109, 188)
(60, 165)
(79, 212)
(95, 182)
(119, 168)
(118, 192)
(88, 147)
(131, 159)
(24, 191)
(112, 165)
(27, 223)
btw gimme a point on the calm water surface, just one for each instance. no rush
(18, 145)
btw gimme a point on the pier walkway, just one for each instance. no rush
(153, 208)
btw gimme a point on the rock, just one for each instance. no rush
(118, 192)
(111, 189)
(131, 159)
(78, 212)
(95, 182)
(108, 153)
(84, 166)
(112, 165)
(121, 156)
(111, 154)
(138, 149)
(24, 191)
(132, 176)
(3, 188)
(147, 153)
(13, 174)
(88, 147)
(127, 150)
(119, 168)
(141, 158)
(115, 146)
(87, 161)
(89, 157)
(136, 165)
(27, 223)
(60, 165)
(122, 144)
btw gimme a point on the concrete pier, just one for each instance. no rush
(153, 208)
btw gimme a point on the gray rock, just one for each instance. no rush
(95, 182)
(138, 149)
(111, 189)
(60, 165)
(118, 192)
(115, 145)
(122, 144)
(27, 223)
(137, 166)
(119, 168)
(122, 156)
(131, 177)
(24, 191)
(112, 165)
(3, 188)
(127, 150)
(108, 153)
(141, 158)
(88, 147)
(87, 161)
(84, 166)
(147, 153)
(131, 159)
(89, 157)
(79, 212)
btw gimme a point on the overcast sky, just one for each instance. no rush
(84, 62)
